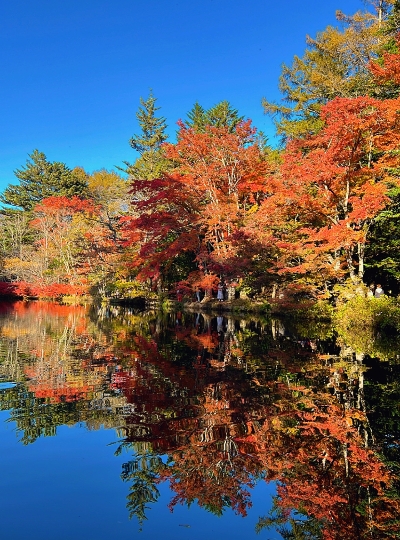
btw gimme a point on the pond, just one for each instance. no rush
(116, 422)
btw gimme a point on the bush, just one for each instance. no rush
(370, 325)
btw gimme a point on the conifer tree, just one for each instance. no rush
(39, 179)
(197, 117)
(148, 143)
(220, 115)
(223, 115)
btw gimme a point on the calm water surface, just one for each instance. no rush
(115, 422)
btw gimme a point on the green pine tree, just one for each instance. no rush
(220, 115)
(197, 117)
(152, 161)
(223, 115)
(41, 178)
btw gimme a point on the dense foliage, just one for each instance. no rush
(220, 205)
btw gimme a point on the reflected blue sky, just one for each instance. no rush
(69, 486)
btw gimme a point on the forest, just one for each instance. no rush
(315, 217)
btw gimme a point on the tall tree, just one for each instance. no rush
(199, 208)
(335, 64)
(41, 178)
(103, 262)
(149, 142)
(333, 187)
(197, 117)
(220, 115)
(109, 191)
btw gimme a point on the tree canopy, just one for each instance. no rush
(40, 178)
(220, 115)
(335, 64)
(148, 143)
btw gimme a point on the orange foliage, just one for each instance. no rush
(390, 70)
(331, 188)
(199, 208)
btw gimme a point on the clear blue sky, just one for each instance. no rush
(73, 71)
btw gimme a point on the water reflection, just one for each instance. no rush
(211, 406)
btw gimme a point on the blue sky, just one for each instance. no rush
(73, 72)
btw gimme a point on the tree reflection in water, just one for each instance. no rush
(211, 406)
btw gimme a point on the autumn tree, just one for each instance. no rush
(332, 187)
(109, 192)
(199, 208)
(335, 64)
(60, 224)
(15, 233)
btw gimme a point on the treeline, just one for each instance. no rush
(218, 204)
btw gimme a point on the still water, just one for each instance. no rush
(115, 422)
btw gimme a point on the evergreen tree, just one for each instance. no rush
(383, 248)
(148, 143)
(220, 115)
(197, 117)
(40, 179)
(392, 25)
(223, 115)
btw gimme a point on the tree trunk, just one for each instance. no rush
(361, 252)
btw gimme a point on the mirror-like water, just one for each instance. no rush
(114, 422)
